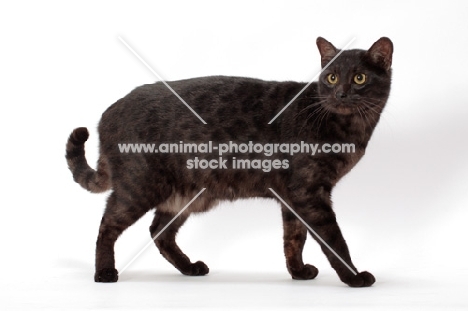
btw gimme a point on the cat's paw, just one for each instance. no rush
(362, 279)
(307, 272)
(196, 269)
(106, 275)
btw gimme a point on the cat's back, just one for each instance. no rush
(233, 105)
(198, 93)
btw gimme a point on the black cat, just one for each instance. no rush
(344, 106)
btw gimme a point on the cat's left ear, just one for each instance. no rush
(381, 53)
(327, 50)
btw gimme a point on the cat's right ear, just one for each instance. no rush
(327, 50)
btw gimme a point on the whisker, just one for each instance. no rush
(310, 106)
(323, 115)
(362, 117)
(316, 114)
(366, 119)
(317, 108)
(369, 105)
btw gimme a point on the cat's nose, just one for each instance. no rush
(342, 91)
(341, 95)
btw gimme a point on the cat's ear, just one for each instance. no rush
(326, 49)
(381, 53)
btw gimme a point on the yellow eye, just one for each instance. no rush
(332, 78)
(360, 78)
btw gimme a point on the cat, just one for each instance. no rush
(343, 106)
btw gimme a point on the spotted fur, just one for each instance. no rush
(235, 109)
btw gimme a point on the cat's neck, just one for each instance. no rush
(353, 128)
(356, 128)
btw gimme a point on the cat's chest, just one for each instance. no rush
(313, 169)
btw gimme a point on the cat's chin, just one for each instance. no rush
(341, 109)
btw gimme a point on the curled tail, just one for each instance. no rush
(91, 180)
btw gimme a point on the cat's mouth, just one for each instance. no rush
(344, 108)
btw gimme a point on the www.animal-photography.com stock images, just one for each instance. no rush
(234, 155)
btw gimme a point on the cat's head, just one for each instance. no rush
(357, 80)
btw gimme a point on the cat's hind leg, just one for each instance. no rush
(165, 242)
(118, 216)
(294, 236)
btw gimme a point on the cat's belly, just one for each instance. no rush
(176, 202)
(208, 199)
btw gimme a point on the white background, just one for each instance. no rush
(402, 209)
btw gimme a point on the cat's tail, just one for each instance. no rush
(88, 178)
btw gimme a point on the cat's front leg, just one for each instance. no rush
(314, 207)
(294, 237)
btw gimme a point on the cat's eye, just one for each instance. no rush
(360, 78)
(332, 78)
